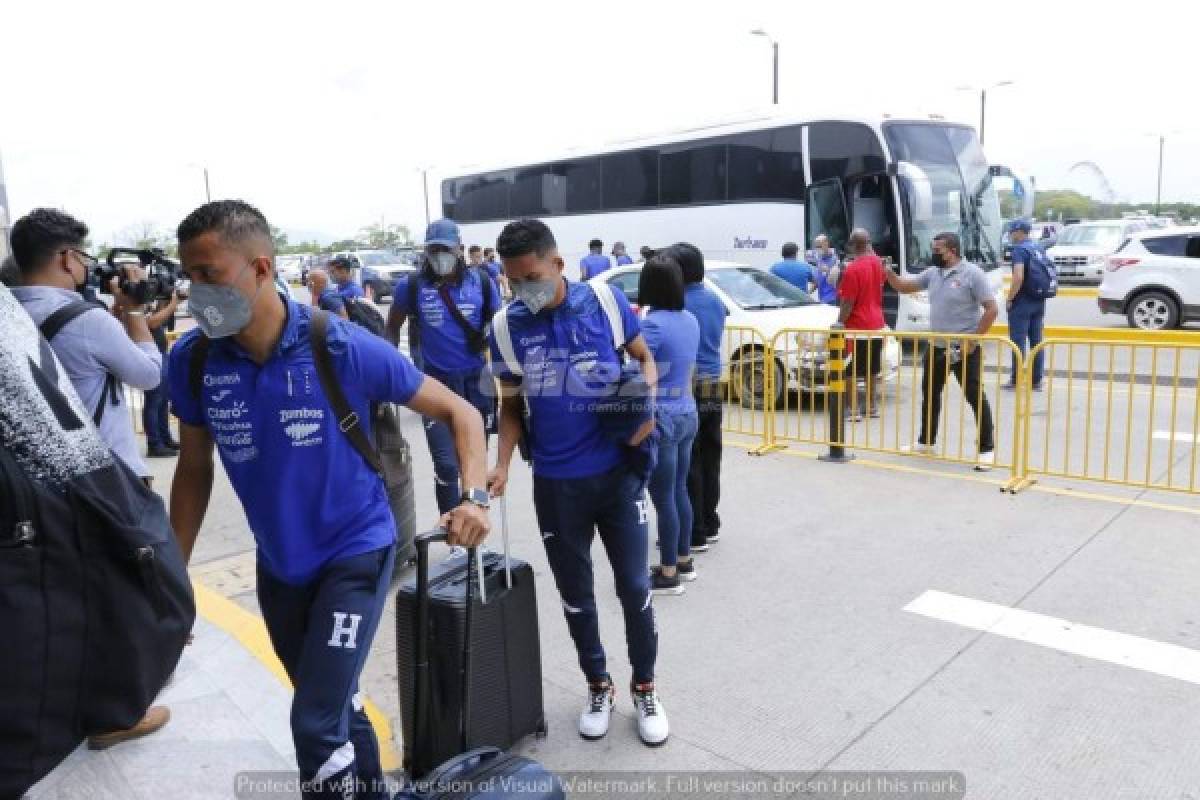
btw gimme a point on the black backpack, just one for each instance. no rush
(94, 592)
(54, 323)
(389, 455)
(363, 313)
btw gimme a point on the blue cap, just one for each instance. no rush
(443, 232)
(1020, 225)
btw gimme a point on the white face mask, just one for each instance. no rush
(442, 264)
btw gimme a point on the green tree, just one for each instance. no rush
(380, 237)
(280, 238)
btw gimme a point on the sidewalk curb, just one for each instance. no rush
(250, 631)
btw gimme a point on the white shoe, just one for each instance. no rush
(986, 462)
(593, 722)
(918, 449)
(652, 718)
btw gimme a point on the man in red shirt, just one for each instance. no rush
(860, 295)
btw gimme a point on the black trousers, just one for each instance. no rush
(704, 474)
(968, 372)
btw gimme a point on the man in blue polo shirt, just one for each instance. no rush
(323, 297)
(1026, 313)
(793, 270)
(825, 265)
(555, 345)
(245, 381)
(594, 263)
(704, 474)
(341, 269)
(450, 306)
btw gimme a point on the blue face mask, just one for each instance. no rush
(220, 310)
(536, 295)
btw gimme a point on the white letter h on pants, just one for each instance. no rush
(343, 630)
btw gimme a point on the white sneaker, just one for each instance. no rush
(986, 462)
(593, 722)
(652, 718)
(919, 449)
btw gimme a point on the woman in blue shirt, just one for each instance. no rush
(673, 336)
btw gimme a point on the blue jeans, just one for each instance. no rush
(322, 632)
(669, 486)
(1026, 319)
(155, 420)
(441, 439)
(569, 512)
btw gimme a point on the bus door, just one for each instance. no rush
(873, 207)
(825, 213)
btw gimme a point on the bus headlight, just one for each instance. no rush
(811, 346)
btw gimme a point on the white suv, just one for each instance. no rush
(1154, 279)
(1082, 249)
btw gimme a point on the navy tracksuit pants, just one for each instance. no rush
(569, 513)
(440, 438)
(322, 632)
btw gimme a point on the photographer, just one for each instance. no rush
(156, 423)
(100, 351)
(97, 351)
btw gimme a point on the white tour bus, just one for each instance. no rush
(739, 191)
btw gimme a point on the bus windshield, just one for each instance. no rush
(962, 198)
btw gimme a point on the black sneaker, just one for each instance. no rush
(661, 584)
(701, 547)
(161, 452)
(713, 538)
(687, 570)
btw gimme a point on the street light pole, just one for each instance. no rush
(425, 186)
(982, 113)
(1158, 195)
(207, 192)
(774, 63)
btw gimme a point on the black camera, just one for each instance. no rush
(162, 274)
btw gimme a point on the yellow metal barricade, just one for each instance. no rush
(1117, 412)
(892, 384)
(748, 386)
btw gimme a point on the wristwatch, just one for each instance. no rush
(478, 497)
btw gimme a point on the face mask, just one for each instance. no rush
(938, 260)
(220, 310)
(536, 295)
(442, 264)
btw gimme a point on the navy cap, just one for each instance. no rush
(443, 232)
(1020, 225)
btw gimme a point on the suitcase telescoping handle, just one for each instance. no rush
(421, 687)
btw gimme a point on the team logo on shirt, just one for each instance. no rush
(221, 395)
(302, 425)
(526, 341)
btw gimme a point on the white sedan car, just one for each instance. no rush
(759, 301)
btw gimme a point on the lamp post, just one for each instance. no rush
(1162, 140)
(775, 63)
(983, 102)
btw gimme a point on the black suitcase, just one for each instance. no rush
(483, 772)
(506, 669)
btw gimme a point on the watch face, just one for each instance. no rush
(477, 496)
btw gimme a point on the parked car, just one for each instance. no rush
(1154, 279)
(377, 270)
(1083, 250)
(290, 267)
(759, 300)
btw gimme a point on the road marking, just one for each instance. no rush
(1179, 436)
(1160, 658)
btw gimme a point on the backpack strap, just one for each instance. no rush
(348, 421)
(476, 337)
(604, 293)
(504, 342)
(54, 323)
(196, 366)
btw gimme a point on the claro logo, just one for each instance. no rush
(749, 244)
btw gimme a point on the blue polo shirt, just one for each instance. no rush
(674, 338)
(329, 300)
(710, 314)
(309, 496)
(797, 273)
(493, 269)
(623, 260)
(593, 264)
(821, 265)
(350, 290)
(570, 365)
(443, 342)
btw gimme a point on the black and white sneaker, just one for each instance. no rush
(687, 570)
(593, 722)
(713, 538)
(661, 584)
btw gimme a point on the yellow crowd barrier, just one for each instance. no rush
(1114, 412)
(905, 394)
(748, 385)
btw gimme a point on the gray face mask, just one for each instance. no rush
(220, 310)
(536, 295)
(443, 264)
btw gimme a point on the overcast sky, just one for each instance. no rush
(322, 114)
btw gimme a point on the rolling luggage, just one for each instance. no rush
(440, 660)
(506, 673)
